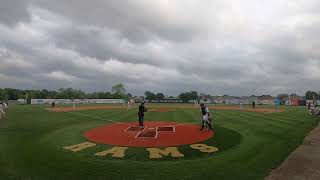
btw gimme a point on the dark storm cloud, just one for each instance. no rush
(219, 47)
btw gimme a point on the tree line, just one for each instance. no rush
(311, 94)
(185, 96)
(118, 92)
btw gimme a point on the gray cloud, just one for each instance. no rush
(220, 47)
(13, 11)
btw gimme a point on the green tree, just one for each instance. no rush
(194, 95)
(149, 95)
(104, 95)
(310, 94)
(159, 96)
(3, 94)
(184, 97)
(187, 96)
(52, 94)
(13, 94)
(119, 89)
(44, 94)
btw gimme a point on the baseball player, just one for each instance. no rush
(53, 106)
(277, 104)
(253, 105)
(315, 110)
(129, 103)
(196, 103)
(5, 106)
(241, 106)
(73, 103)
(2, 113)
(141, 112)
(205, 116)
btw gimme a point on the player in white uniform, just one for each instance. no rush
(241, 106)
(315, 110)
(205, 116)
(2, 110)
(128, 105)
(73, 104)
(196, 103)
(5, 107)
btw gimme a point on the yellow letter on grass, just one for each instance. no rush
(157, 153)
(204, 148)
(79, 147)
(115, 151)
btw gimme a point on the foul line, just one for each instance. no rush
(99, 118)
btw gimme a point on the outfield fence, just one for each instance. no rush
(78, 101)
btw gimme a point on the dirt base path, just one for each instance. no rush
(303, 163)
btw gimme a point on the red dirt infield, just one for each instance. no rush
(154, 134)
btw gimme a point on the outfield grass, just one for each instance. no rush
(251, 144)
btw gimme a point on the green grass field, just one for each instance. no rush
(251, 145)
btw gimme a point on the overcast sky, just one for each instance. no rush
(214, 46)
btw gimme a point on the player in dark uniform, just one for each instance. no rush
(141, 111)
(53, 106)
(253, 105)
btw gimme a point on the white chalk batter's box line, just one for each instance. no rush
(151, 128)
(155, 137)
(145, 128)
(174, 129)
(127, 130)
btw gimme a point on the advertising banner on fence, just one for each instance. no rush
(166, 101)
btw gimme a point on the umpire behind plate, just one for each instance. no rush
(141, 111)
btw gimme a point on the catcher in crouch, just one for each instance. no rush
(205, 116)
